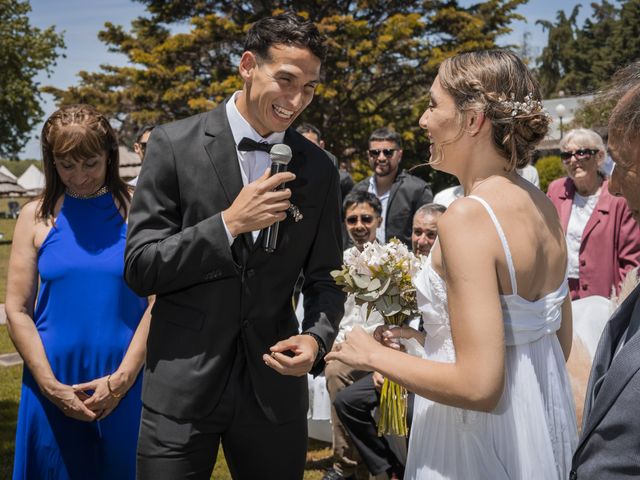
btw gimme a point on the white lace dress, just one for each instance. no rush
(532, 433)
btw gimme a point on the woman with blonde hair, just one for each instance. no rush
(80, 330)
(603, 239)
(493, 399)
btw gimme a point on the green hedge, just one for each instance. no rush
(549, 168)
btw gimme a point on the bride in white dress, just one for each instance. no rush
(493, 399)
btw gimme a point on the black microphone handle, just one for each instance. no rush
(270, 234)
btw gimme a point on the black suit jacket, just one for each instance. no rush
(407, 194)
(215, 301)
(609, 445)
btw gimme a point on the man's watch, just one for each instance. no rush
(322, 350)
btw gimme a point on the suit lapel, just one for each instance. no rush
(221, 150)
(602, 208)
(617, 372)
(565, 207)
(395, 186)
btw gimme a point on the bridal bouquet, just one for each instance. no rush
(380, 277)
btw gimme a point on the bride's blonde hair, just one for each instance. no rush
(498, 83)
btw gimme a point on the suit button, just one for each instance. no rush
(583, 263)
(245, 323)
(251, 272)
(584, 286)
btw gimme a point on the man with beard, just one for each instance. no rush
(400, 193)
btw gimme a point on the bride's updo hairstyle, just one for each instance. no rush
(498, 83)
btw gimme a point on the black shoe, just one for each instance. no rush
(332, 474)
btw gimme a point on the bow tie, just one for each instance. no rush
(248, 145)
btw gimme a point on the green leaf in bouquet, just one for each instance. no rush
(385, 286)
(374, 284)
(336, 273)
(381, 305)
(361, 281)
(387, 307)
(368, 296)
(393, 309)
(394, 290)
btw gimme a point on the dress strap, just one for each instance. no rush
(503, 239)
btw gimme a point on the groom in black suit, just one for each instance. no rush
(609, 446)
(225, 362)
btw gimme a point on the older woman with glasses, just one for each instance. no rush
(603, 241)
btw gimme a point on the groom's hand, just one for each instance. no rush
(294, 356)
(258, 206)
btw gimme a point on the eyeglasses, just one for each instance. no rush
(580, 154)
(365, 219)
(387, 152)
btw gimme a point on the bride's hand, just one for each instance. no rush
(389, 335)
(355, 350)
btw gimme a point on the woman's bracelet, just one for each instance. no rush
(111, 392)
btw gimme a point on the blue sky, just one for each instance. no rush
(81, 20)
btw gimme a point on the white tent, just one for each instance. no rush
(32, 180)
(4, 170)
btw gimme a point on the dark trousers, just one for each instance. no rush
(254, 447)
(354, 406)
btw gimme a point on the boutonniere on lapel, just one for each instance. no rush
(295, 213)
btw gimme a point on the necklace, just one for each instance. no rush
(101, 191)
(474, 187)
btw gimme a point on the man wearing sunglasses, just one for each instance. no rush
(140, 146)
(400, 193)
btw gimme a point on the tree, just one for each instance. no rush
(590, 55)
(26, 51)
(383, 57)
(556, 56)
(582, 59)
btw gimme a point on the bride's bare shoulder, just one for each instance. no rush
(462, 213)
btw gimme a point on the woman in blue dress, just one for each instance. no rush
(80, 330)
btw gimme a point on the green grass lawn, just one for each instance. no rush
(10, 379)
(9, 397)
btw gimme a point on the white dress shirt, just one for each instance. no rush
(381, 232)
(447, 196)
(252, 164)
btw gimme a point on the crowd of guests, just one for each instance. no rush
(224, 360)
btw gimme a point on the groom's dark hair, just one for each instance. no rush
(287, 28)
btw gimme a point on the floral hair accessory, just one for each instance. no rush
(527, 107)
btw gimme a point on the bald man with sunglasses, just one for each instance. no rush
(400, 193)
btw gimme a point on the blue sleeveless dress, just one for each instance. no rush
(86, 317)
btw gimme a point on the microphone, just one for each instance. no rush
(280, 155)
